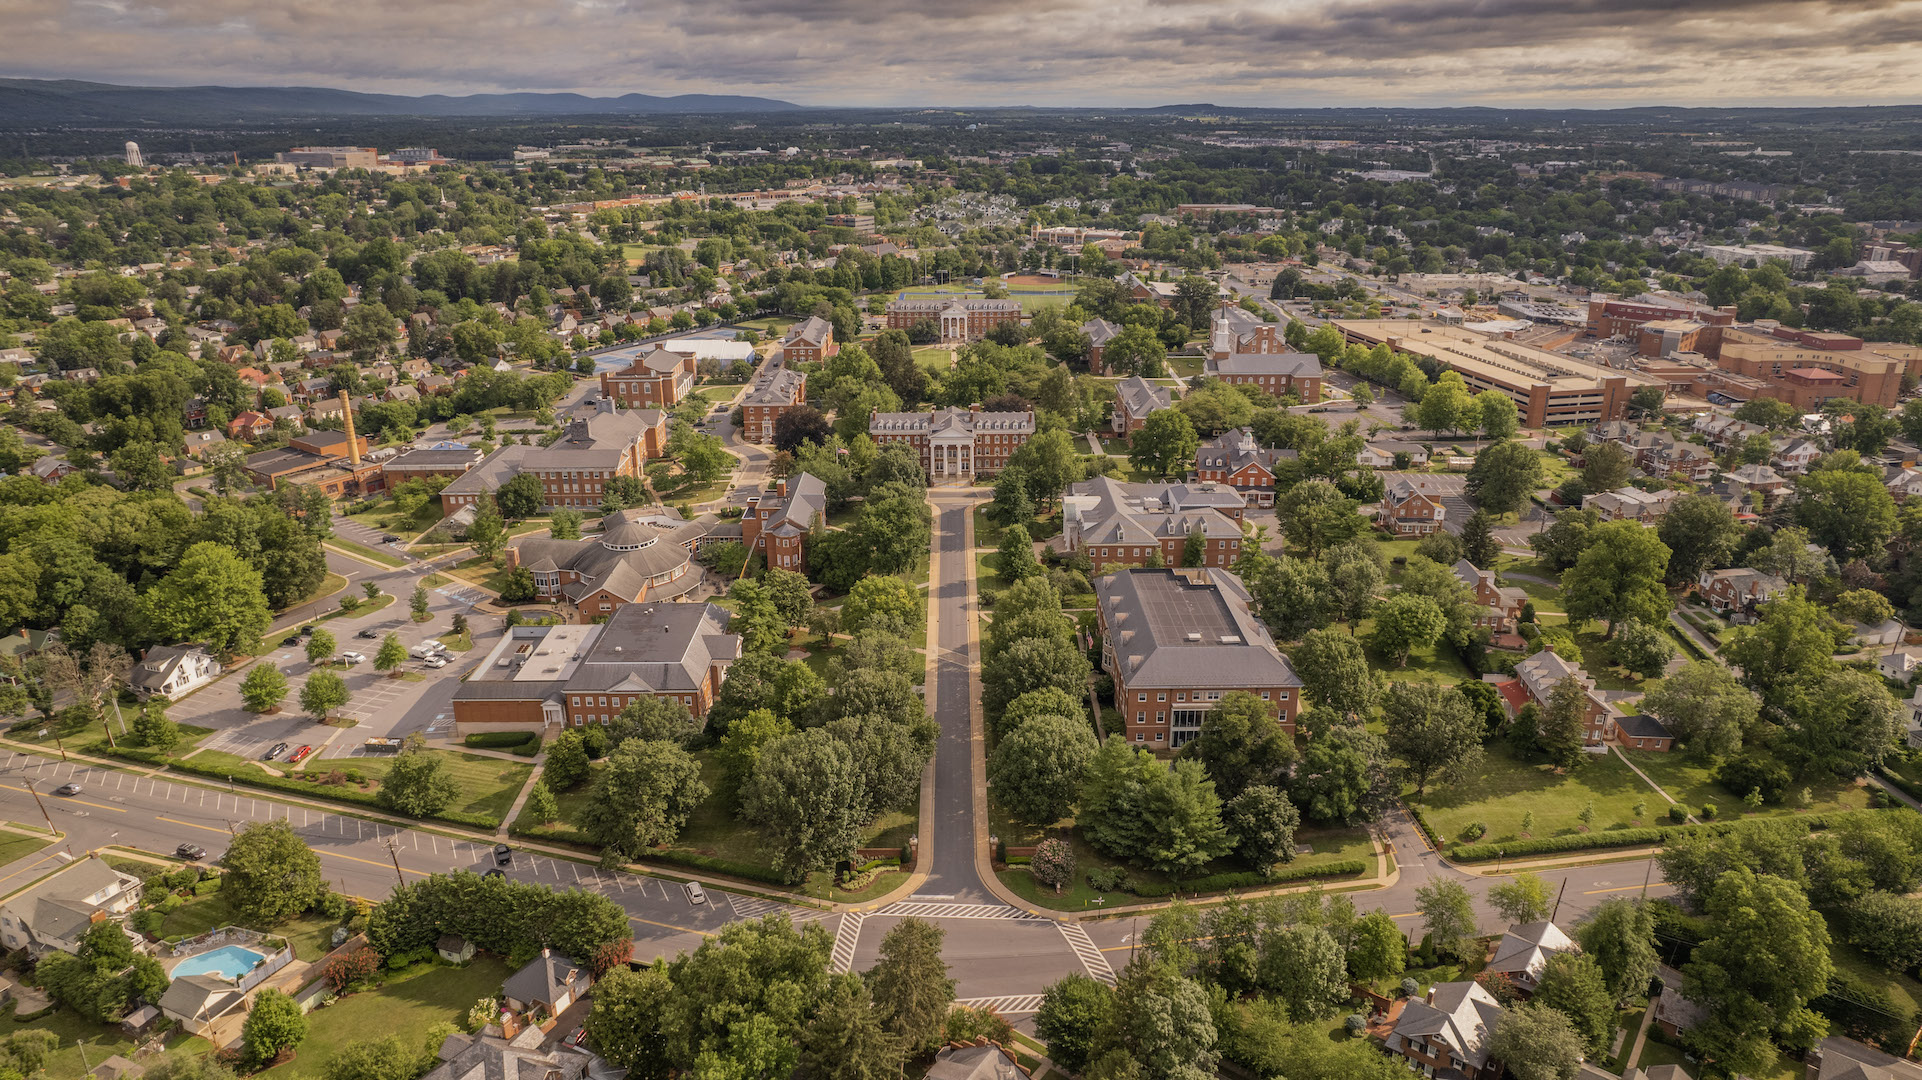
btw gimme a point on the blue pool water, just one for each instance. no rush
(230, 961)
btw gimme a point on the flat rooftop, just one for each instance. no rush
(1491, 359)
(537, 654)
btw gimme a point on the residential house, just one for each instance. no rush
(57, 911)
(171, 671)
(1726, 432)
(1899, 664)
(194, 413)
(1541, 673)
(545, 987)
(1446, 1033)
(1100, 332)
(1841, 1058)
(1631, 504)
(1413, 506)
(251, 425)
(541, 677)
(1795, 455)
(1674, 1014)
(1388, 454)
(1135, 398)
(1501, 605)
(1523, 951)
(809, 341)
(1886, 632)
(490, 1055)
(1638, 731)
(982, 1060)
(1184, 638)
(1235, 459)
(779, 525)
(199, 442)
(1737, 591)
(1758, 485)
(1903, 483)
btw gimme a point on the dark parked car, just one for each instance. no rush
(503, 855)
(279, 749)
(307, 630)
(494, 872)
(290, 639)
(191, 852)
(390, 538)
(370, 633)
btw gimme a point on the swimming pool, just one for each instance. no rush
(229, 961)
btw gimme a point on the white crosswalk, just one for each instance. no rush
(1014, 1005)
(1084, 947)
(846, 937)
(908, 909)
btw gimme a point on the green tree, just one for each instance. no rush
(880, 597)
(487, 532)
(1165, 444)
(1377, 949)
(1572, 984)
(1241, 743)
(1433, 729)
(213, 596)
(1793, 641)
(1563, 542)
(626, 1022)
(323, 694)
(1356, 571)
(1405, 622)
(1447, 406)
(790, 594)
(566, 761)
(643, 797)
(271, 873)
(1316, 516)
(1163, 1021)
(1072, 1019)
(1448, 914)
(1765, 957)
(1504, 476)
(1888, 928)
(1303, 967)
(417, 603)
(910, 984)
(1563, 729)
(1643, 648)
(1261, 825)
(274, 1024)
(1620, 934)
(1618, 577)
(542, 807)
(1033, 664)
(1036, 768)
(1606, 467)
(756, 618)
(1479, 545)
(846, 1038)
(1844, 723)
(1701, 533)
(391, 655)
(418, 784)
(1847, 511)
(564, 524)
(1772, 413)
(1499, 418)
(1524, 898)
(805, 795)
(1017, 555)
(1535, 1042)
(263, 689)
(1335, 673)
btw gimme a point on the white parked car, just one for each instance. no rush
(352, 658)
(435, 661)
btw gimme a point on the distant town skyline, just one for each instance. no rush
(1293, 53)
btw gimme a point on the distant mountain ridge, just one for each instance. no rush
(44, 102)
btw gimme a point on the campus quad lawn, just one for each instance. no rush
(312, 937)
(1436, 663)
(1499, 791)
(1689, 781)
(410, 1004)
(66, 1063)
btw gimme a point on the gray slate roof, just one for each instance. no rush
(1198, 629)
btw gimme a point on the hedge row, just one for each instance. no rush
(1250, 879)
(499, 740)
(1913, 790)
(716, 865)
(1613, 838)
(332, 793)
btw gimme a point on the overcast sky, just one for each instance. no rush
(1280, 53)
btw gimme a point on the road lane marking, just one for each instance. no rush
(64, 800)
(669, 926)
(1625, 888)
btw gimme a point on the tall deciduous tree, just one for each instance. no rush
(1448, 914)
(1335, 673)
(1701, 533)
(1535, 1042)
(1315, 516)
(213, 596)
(1242, 743)
(912, 991)
(271, 873)
(274, 1023)
(846, 1039)
(1572, 984)
(1523, 898)
(323, 694)
(418, 784)
(805, 795)
(263, 689)
(1847, 511)
(1036, 768)
(1605, 467)
(1433, 729)
(1618, 576)
(1620, 934)
(643, 797)
(1504, 475)
(1165, 443)
(1766, 957)
(1405, 622)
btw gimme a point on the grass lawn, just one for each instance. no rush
(481, 572)
(410, 1003)
(1435, 663)
(723, 392)
(330, 585)
(1598, 659)
(364, 552)
(386, 517)
(935, 358)
(487, 785)
(1656, 1053)
(1185, 366)
(1903, 991)
(1503, 789)
(69, 1061)
(1689, 783)
(987, 576)
(1392, 549)
(14, 847)
(310, 936)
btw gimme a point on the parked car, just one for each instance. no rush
(279, 749)
(695, 894)
(503, 855)
(307, 630)
(291, 639)
(352, 658)
(191, 852)
(299, 755)
(370, 634)
(390, 538)
(435, 661)
(67, 789)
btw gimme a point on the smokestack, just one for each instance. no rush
(353, 444)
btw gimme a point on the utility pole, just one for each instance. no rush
(1646, 874)
(393, 851)
(1558, 900)
(43, 808)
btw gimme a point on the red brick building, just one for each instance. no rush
(1413, 507)
(770, 398)
(778, 525)
(959, 318)
(956, 444)
(1100, 332)
(809, 341)
(1135, 398)
(1236, 460)
(1175, 642)
(656, 379)
(597, 447)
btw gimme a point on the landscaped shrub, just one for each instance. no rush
(1677, 814)
(1105, 878)
(1708, 811)
(498, 740)
(1247, 879)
